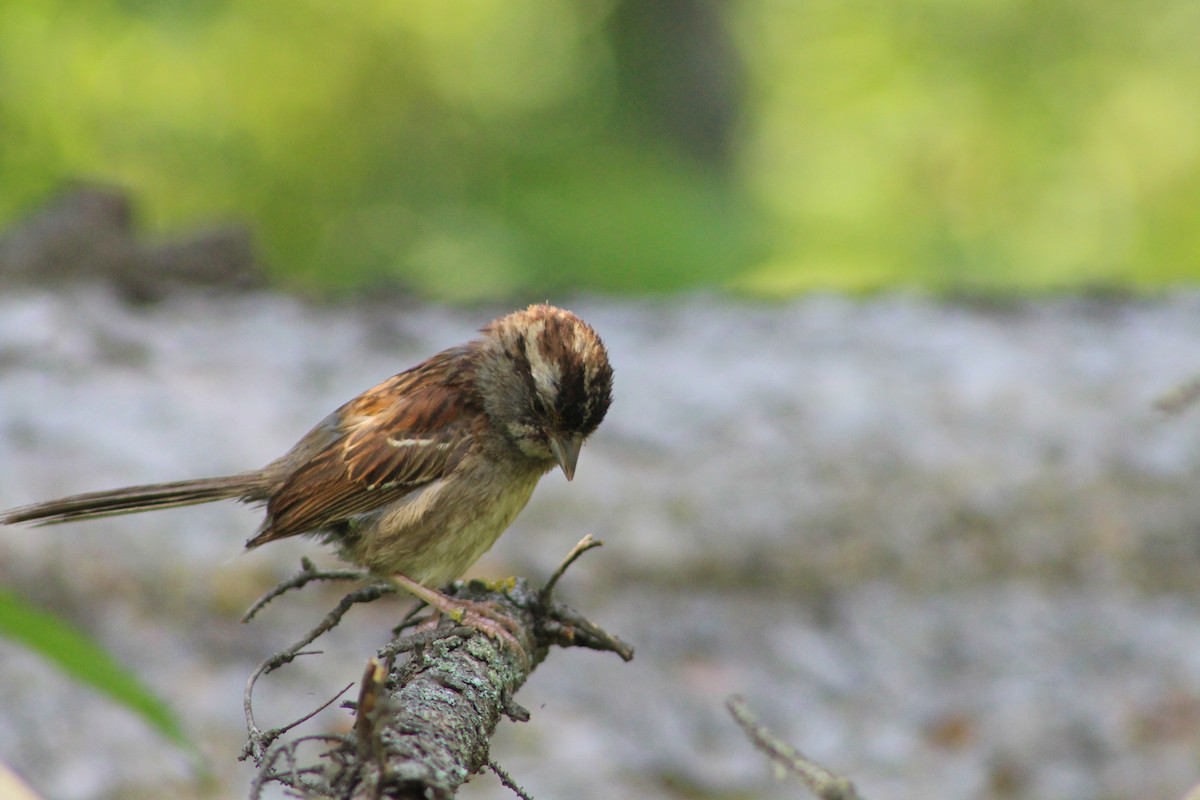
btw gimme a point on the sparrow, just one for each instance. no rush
(417, 477)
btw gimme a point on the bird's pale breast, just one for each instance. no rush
(434, 534)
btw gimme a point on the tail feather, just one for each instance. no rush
(131, 499)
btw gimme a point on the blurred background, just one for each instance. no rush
(550, 145)
(891, 291)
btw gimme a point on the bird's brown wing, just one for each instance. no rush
(405, 433)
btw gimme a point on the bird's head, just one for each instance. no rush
(545, 381)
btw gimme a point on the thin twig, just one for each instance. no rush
(258, 741)
(412, 641)
(583, 545)
(373, 702)
(566, 627)
(275, 733)
(1179, 399)
(308, 572)
(508, 781)
(820, 781)
(410, 618)
(292, 775)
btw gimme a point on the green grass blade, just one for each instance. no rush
(85, 661)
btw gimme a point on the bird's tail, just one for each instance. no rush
(131, 499)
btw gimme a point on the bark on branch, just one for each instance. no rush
(423, 723)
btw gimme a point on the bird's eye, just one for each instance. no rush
(539, 407)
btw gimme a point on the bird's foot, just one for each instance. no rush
(481, 616)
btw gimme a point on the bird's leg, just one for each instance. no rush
(483, 617)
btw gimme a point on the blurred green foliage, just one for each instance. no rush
(85, 661)
(975, 145)
(484, 148)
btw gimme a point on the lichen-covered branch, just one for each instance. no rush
(424, 722)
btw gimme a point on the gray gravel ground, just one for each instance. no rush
(949, 549)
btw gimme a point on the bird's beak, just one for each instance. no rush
(566, 452)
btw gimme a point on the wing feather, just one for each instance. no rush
(405, 433)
